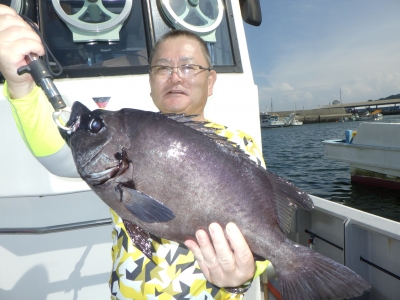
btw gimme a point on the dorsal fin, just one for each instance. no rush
(209, 131)
(181, 117)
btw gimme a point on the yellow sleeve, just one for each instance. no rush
(243, 140)
(33, 117)
(251, 148)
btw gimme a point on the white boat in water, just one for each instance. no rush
(55, 233)
(271, 121)
(367, 116)
(378, 116)
(292, 121)
(296, 123)
(373, 154)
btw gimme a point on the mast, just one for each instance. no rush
(271, 106)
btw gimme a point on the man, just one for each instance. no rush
(181, 80)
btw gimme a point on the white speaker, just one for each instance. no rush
(199, 16)
(93, 21)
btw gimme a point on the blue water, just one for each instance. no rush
(296, 153)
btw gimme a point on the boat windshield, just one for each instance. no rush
(114, 37)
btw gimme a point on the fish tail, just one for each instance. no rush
(312, 276)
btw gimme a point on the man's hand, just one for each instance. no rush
(17, 39)
(224, 263)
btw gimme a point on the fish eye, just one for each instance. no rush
(95, 125)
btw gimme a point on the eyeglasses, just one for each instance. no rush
(184, 71)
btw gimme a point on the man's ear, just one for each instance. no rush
(212, 78)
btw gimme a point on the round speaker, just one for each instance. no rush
(201, 17)
(93, 21)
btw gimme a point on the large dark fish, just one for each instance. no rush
(172, 176)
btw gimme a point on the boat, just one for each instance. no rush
(373, 153)
(271, 121)
(350, 119)
(292, 121)
(289, 119)
(376, 115)
(55, 232)
(365, 116)
(296, 123)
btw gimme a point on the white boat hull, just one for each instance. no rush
(274, 124)
(373, 155)
(268, 121)
(296, 123)
(291, 120)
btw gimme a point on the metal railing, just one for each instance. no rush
(56, 228)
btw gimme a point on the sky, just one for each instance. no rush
(309, 53)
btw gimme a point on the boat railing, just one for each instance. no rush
(56, 228)
(366, 243)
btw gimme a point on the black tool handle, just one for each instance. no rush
(43, 78)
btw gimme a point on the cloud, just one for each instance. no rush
(310, 54)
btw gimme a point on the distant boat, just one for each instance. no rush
(374, 116)
(352, 118)
(291, 120)
(270, 121)
(378, 116)
(296, 123)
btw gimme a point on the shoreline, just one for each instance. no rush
(320, 115)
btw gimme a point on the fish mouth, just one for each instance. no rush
(102, 177)
(75, 125)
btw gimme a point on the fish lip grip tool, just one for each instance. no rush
(43, 78)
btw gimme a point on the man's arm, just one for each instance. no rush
(33, 117)
(31, 110)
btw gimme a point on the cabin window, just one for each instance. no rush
(114, 37)
(93, 38)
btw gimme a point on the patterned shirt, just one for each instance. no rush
(173, 273)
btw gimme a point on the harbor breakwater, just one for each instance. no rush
(318, 115)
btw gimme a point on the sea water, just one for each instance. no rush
(297, 154)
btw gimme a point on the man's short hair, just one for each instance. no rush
(175, 33)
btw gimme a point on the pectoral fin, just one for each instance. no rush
(144, 207)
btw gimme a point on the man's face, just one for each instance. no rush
(173, 94)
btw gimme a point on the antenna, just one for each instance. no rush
(271, 106)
